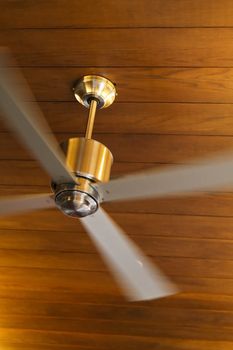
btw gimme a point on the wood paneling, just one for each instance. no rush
(172, 63)
(48, 284)
(133, 13)
(147, 118)
(119, 327)
(161, 47)
(73, 261)
(218, 267)
(152, 224)
(173, 149)
(154, 244)
(149, 84)
(160, 343)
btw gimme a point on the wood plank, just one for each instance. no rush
(66, 338)
(51, 291)
(106, 340)
(12, 346)
(142, 118)
(165, 47)
(154, 225)
(149, 84)
(33, 280)
(161, 344)
(110, 319)
(54, 300)
(173, 149)
(65, 304)
(154, 245)
(24, 173)
(14, 281)
(74, 261)
(149, 13)
(78, 285)
(118, 327)
(86, 311)
(210, 204)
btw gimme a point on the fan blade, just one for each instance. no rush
(20, 204)
(177, 180)
(25, 118)
(138, 278)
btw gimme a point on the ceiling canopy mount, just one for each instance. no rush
(95, 87)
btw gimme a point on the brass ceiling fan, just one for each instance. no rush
(80, 172)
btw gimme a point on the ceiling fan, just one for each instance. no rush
(80, 171)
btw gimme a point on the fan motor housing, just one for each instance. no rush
(88, 158)
(91, 163)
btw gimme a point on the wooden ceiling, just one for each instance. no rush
(172, 62)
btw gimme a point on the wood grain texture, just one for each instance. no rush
(153, 243)
(161, 344)
(165, 225)
(74, 261)
(172, 63)
(118, 327)
(148, 84)
(146, 118)
(173, 149)
(136, 13)
(195, 47)
(45, 284)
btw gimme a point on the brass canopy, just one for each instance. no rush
(95, 87)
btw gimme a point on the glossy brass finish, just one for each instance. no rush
(88, 158)
(91, 119)
(95, 87)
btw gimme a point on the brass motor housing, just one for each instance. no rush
(91, 163)
(88, 158)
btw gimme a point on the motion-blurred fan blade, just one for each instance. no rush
(25, 118)
(177, 180)
(20, 204)
(137, 277)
